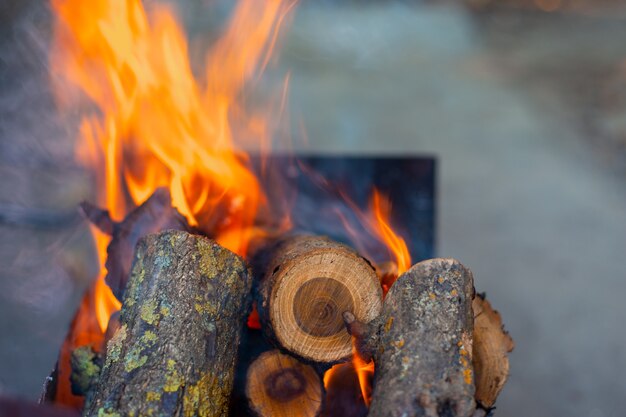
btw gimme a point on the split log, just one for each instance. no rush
(422, 343)
(491, 347)
(154, 215)
(309, 282)
(279, 385)
(180, 324)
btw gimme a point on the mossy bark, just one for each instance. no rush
(422, 343)
(175, 350)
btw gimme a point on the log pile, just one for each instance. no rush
(175, 348)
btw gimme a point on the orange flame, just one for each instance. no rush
(157, 125)
(381, 208)
(365, 372)
(105, 301)
(376, 222)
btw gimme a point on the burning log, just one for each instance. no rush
(279, 385)
(174, 352)
(154, 215)
(309, 283)
(491, 347)
(422, 343)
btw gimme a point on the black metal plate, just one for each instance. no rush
(409, 182)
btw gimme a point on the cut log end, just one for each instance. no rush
(279, 385)
(309, 284)
(492, 345)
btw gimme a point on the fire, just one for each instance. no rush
(381, 208)
(156, 124)
(365, 372)
(160, 126)
(377, 223)
(105, 301)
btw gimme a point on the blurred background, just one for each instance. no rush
(523, 102)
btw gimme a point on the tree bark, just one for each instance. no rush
(180, 325)
(278, 385)
(422, 343)
(309, 282)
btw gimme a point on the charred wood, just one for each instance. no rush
(154, 215)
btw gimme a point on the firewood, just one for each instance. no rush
(180, 325)
(278, 385)
(422, 343)
(309, 282)
(154, 215)
(491, 347)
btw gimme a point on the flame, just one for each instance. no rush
(105, 301)
(376, 223)
(362, 374)
(155, 124)
(365, 372)
(328, 375)
(159, 125)
(381, 208)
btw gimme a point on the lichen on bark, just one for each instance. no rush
(182, 315)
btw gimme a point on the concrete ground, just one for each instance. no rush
(524, 112)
